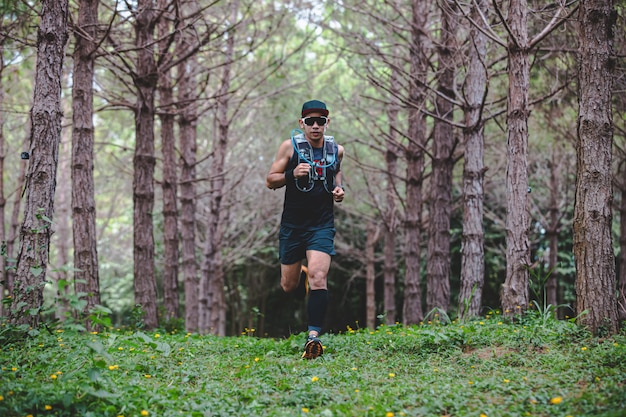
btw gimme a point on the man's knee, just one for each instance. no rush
(287, 285)
(317, 280)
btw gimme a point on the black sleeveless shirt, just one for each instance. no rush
(313, 209)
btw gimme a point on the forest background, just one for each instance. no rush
(228, 80)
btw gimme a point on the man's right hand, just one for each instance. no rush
(302, 170)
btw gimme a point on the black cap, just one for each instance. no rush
(314, 106)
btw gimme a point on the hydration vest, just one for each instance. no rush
(323, 170)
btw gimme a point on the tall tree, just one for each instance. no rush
(213, 268)
(472, 245)
(412, 309)
(86, 275)
(593, 246)
(46, 116)
(438, 263)
(621, 279)
(3, 275)
(373, 233)
(187, 125)
(514, 294)
(168, 150)
(390, 215)
(145, 79)
(515, 288)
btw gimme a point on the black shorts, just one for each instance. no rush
(294, 243)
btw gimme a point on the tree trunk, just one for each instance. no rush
(370, 274)
(412, 309)
(143, 163)
(515, 289)
(170, 210)
(187, 124)
(593, 249)
(390, 266)
(473, 239)
(216, 232)
(86, 276)
(61, 239)
(621, 284)
(3, 249)
(438, 265)
(552, 234)
(46, 116)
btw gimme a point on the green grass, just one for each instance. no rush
(489, 367)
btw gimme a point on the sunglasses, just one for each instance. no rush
(310, 121)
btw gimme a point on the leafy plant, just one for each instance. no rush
(483, 366)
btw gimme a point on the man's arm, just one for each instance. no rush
(276, 176)
(279, 175)
(338, 192)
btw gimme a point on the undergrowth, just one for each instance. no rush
(487, 367)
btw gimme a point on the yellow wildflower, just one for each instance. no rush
(314, 379)
(391, 375)
(144, 413)
(305, 410)
(47, 407)
(556, 400)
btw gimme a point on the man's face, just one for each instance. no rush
(314, 124)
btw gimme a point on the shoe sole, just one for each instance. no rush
(313, 349)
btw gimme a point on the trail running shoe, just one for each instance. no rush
(302, 289)
(313, 348)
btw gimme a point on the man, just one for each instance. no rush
(308, 165)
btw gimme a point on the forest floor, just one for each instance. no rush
(491, 367)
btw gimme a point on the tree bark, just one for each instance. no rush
(621, 283)
(143, 162)
(217, 279)
(412, 309)
(169, 185)
(438, 264)
(187, 124)
(3, 248)
(473, 239)
(86, 275)
(62, 234)
(370, 274)
(390, 266)
(515, 289)
(593, 248)
(46, 116)
(552, 234)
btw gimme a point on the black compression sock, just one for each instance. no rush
(318, 304)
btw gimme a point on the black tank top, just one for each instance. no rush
(313, 209)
